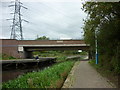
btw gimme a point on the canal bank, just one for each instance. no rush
(13, 73)
(11, 69)
(51, 77)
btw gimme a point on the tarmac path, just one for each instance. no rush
(85, 76)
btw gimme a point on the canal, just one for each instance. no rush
(10, 72)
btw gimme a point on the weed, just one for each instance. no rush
(6, 57)
(49, 77)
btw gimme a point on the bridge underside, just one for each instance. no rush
(29, 49)
(55, 48)
(24, 48)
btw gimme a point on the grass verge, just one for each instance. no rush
(52, 77)
(6, 57)
(111, 76)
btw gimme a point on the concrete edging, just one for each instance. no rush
(70, 78)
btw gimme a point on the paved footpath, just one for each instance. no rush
(85, 76)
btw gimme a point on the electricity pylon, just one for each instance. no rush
(16, 30)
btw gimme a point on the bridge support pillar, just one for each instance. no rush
(28, 54)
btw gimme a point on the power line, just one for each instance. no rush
(16, 30)
(36, 11)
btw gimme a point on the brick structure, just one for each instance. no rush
(11, 46)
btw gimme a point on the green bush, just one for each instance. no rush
(6, 57)
(48, 78)
(93, 63)
(60, 55)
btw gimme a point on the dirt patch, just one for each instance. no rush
(59, 83)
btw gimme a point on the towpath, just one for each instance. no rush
(85, 76)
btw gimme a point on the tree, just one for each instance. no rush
(105, 18)
(43, 38)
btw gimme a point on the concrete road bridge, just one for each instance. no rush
(24, 48)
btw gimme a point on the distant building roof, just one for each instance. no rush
(65, 38)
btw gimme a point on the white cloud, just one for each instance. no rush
(52, 19)
(47, 0)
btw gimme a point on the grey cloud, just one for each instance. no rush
(54, 20)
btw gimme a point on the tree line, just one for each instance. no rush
(104, 19)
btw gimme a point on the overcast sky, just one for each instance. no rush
(52, 19)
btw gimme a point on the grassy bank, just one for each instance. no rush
(60, 55)
(52, 77)
(112, 76)
(6, 57)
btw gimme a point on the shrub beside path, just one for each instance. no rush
(83, 75)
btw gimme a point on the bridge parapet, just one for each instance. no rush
(20, 48)
(49, 42)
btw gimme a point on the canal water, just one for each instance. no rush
(11, 72)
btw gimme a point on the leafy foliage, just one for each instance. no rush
(43, 38)
(6, 57)
(60, 55)
(104, 18)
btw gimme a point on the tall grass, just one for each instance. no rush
(6, 57)
(52, 77)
